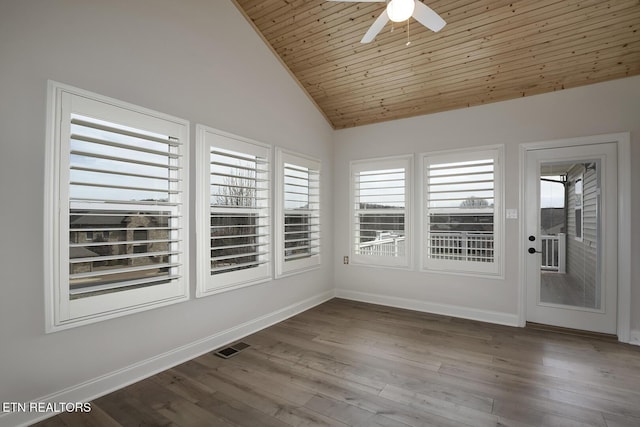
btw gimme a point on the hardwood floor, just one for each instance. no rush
(346, 363)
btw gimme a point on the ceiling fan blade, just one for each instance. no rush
(427, 17)
(358, 1)
(376, 27)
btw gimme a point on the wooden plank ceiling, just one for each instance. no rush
(490, 50)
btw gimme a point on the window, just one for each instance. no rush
(380, 207)
(233, 214)
(116, 208)
(578, 206)
(298, 212)
(462, 211)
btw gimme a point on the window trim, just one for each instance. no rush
(312, 262)
(576, 208)
(457, 155)
(60, 311)
(205, 285)
(406, 161)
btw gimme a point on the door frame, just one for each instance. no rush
(623, 142)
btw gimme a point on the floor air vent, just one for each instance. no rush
(232, 350)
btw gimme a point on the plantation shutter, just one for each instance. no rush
(237, 213)
(380, 200)
(302, 215)
(116, 208)
(298, 243)
(239, 234)
(124, 200)
(461, 199)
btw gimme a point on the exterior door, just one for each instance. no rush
(571, 237)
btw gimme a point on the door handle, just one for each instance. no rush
(533, 251)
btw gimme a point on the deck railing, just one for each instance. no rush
(387, 246)
(467, 246)
(461, 246)
(554, 253)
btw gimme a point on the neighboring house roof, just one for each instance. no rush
(75, 252)
(89, 220)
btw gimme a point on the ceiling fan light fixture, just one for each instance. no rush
(400, 10)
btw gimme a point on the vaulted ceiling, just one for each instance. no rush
(490, 50)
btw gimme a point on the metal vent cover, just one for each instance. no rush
(231, 350)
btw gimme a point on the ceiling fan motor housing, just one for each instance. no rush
(400, 10)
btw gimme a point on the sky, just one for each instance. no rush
(551, 193)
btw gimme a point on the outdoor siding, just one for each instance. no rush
(582, 255)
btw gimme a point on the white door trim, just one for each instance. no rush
(623, 141)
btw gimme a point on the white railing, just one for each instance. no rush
(468, 247)
(387, 246)
(554, 253)
(461, 246)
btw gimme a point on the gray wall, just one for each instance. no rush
(199, 60)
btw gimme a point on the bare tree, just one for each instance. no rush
(239, 190)
(235, 233)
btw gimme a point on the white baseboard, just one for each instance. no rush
(430, 307)
(634, 337)
(115, 380)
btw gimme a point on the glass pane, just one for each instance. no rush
(108, 283)
(113, 165)
(297, 238)
(379, 220)
(460, 201)
(235, 244)
(381, 234)
(380, 189)
(296, 187)
(107, 247)
(235, 179)
(569, 234)
(461, 237)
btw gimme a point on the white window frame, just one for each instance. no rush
(207, 283)
(578, 206)
(285, 266)
(63, 312)
(493, 269)
(379, 164)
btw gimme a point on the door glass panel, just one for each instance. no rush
(569, 234)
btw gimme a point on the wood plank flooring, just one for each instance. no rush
(347, 363)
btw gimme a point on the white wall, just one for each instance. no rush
(196, 59)
(591, 110)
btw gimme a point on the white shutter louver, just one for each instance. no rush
(298, 211)
(380, 211)
(462, 196)
(239, 207)
(116, 208)
(234, 212)
(301, 212)
(460, 203)
(123, 205)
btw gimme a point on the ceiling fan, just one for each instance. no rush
(401, 10)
